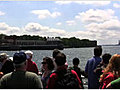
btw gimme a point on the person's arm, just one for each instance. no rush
(115, 84)
(83, 73)
(86, 68)
(107, 80)
(3, 82)
(38, 83)
(109, 86)
(35, 68)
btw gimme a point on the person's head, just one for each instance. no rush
(3, 56)
(29, 53)
(76, 61)
(98, 51)
(19, 59)
(48, 63)
(114, 64)
(60, 59)
(106, 57)
(55, 52)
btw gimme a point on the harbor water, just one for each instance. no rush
(82, 53)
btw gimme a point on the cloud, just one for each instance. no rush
(31, 29)
(116, 5)
(104, 33)
(42, 14)
(95, 3)
(36, 28)
(63, 2)
(59, 23)
(2, 13)
(108, 25)
(9, 30)
(96, 15)
(101, 25)
(70, 22)
(3, 26)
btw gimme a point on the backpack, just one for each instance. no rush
(66, 80)
(79, 73)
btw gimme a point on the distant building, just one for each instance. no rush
(11, 42)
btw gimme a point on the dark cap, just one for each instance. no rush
(19, 57)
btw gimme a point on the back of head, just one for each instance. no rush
(3, 56)
(76, 61)
(113, 66)
(106, 57)
(115, 62)
(60, 59)
(98, 51)
(29, 53)
(19, 58)
(55, 52)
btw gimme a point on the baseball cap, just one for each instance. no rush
(19, 57)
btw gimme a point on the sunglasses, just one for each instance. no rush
(43, 62)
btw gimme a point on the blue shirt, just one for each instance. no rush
(93, 82)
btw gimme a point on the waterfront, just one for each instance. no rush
(82, 53)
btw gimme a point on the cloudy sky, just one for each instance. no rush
(93, 20)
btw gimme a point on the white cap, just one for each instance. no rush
(30, 53)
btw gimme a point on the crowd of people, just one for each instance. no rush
(21, 72)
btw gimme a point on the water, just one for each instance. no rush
(82, 53)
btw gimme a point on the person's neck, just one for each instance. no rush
(4, 61)
(46, 73)
(20, 69)
(75, 65)
(60, 67)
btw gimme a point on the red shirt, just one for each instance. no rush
(107, 79)
(32, 67)
(53, 78)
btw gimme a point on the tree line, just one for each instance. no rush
(71, 42)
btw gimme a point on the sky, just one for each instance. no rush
(93, 20)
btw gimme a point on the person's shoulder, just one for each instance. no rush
(8, 62)
(91, 59)
(73, 72)
(53, 74)
(7, 75)
(31, 73)
(33, 62)
(109, 75)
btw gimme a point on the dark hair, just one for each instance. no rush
(106, 57)
(60, 59)
(98, 51)
(76, 61)
(49, 61)
(55, 52)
